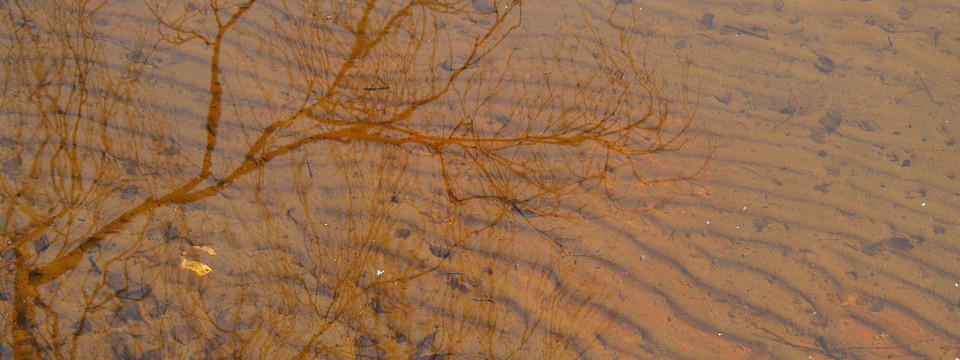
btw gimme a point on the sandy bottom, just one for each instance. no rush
(481, 179)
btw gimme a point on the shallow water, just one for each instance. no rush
(480, 179)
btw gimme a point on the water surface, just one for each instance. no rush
(479, 179)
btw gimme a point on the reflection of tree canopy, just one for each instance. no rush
(374, 178)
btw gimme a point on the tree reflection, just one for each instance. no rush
(365, 180)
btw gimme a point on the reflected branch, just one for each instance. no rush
(436, 160)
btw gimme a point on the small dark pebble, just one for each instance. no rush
(400, 338)
(457, 285)
(366, 340)
(432, 356)
(42, 243)
(620, 2)
(824, 64)
(129, 192)
(426, 343)
(900, 244)
(129, 166)
(184, 334)
(723, 99)
(905, 13)
(788, 110)
(170, 233)
(130, 312)
(214, 343)
(27, 23)
(83, 327)
(155, 354)
(822, 153)
(377, 306)
(157, 311)
(35, 276)
(13, 164)
(824, 188)
(403, 233)
(896, 243)
(115, 320)
(440, 252)
(9, 254)
(116, 282)
(905, 163)
(371, 353)
(137, 57)
(170, 150)
(484, 6)
(522, 212)
(707, 20)
(448, 65)
(121, 351)
(830, 122)
(136, 293)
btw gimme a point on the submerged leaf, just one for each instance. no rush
(206, 249)
(195, 266)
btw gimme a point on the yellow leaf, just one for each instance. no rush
(195, 266)
(207, 249)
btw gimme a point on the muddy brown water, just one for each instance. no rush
(480, 179)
